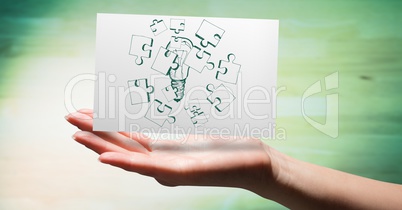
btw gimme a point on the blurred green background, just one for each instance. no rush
(44, 44)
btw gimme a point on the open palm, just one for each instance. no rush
(195, 160)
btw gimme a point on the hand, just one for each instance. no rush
(244, 163)
(198, 160)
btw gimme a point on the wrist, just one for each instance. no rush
(295, 183)
(277, 175)
(268, 175)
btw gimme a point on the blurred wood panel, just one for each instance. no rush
(44, 44)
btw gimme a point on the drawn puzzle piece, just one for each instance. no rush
(141, 48)
(209, 34)
(175, 42)
(221, 97)
(230, 69)
(158, 27)
(159, 113)
(165, 61)
(140, 91)
(169, 93)
(197, 59)
(197, 116)
(177, 25)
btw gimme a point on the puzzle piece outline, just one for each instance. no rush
(163, 58)
(177, 25)
(158, 26)
(192, 59)
(140, 84)
(195, 118)
(161, 108)
(216, 100)
(204, 34)
(175, 42)
(231, 70)
(140, 49)
(169, 93)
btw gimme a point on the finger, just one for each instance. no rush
(122, 141)
(134, 162)
(144, 140)
(153, 144)
(165, 183)
(88, 112)
(84, 122)
(96, 143)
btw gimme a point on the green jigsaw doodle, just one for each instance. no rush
(220, 97)
(175, 60)
(140, 47)
(159, 113)
(140, 91)
(158, 27)
(230, 69)
(177, 25)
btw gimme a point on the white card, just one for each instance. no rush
(186, 75)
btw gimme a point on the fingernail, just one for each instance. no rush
(66, 117)
(73, 136)
(78, 134)
(87, 111)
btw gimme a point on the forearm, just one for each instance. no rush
(300, 185)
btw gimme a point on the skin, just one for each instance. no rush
(243, 163)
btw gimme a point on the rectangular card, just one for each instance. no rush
(186, 75)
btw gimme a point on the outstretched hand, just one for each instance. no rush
(236, 162)
(197, 160)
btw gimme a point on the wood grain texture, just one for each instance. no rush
(45, 44)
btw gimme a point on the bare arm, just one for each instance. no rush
(243, 163)
(302, 185)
